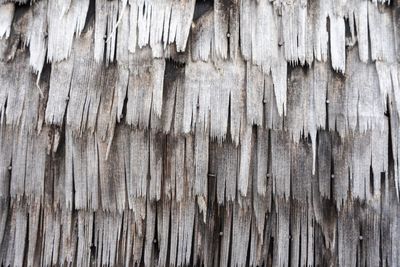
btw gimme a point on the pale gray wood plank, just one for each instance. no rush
(63, 23)
(6, 17)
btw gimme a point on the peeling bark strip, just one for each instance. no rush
(190, 133)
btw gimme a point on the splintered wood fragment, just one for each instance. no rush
(122, 29)
(379, 160)
(301, 172)
(60, 80)
(347, 236)
(190, 168)
(20, 234)
(169, 99)
(280, 148)
(4, 214)
(158, 24)
(351, 93)
(8, 253)
(279, 77)
(179, 106)
(254, 94)
(6, 148)
(67, 243)
(361, 21)
(221, 27)
(337, 99)
(85, 232)
(271, 114)
(299, 103)
(106, 14)
(337, 41)
(51, 229)
(107, 108)
(371, 99)
(63, 24)
(256, 247)
(138, 229)
(360, 164)
(150, 232)
(6, 17)
(178, 169)
(281, 247)
(174, 234)
(158, 85)
(156, 166)
(246, 148)
(296, 214)
(17, 185)
(139, 158)
(18, 103)
(187, 216)
(261, 208)
(341, 160)
(36, 162)
(37, 36)
(117, 162)
(209, 108)
(201, 163)
(107, 186)
(227, 171)
(371, 237)
(33, 227)
(181, 18)
(240, 240)
(381, 29)
(324, 162)
(143, 79)
(226, 235)
(294, 21)
(163, 221)
(321, 34)
(259, 33)
(84, 95)
(196, 96)
(92, 173)
(202, 38)
(319, 85)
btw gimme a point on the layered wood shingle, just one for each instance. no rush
(183, 132)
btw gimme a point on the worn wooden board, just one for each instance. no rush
(188, 133)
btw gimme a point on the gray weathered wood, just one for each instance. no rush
(188, 133)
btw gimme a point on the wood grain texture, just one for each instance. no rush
(199, 133)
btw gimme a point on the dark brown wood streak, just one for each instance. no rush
(199, 133)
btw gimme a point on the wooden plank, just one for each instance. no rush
(6, 14)
(337, 42)
(60, 81)
(61, 33)
(324, 163)
(227, 171)
(281, 245)
(280, 151)
(36, 36)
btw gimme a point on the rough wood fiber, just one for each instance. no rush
(191, 133)
(6, 17)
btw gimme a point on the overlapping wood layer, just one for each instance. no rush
(189, 133)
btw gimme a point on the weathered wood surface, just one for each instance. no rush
(215, 133)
